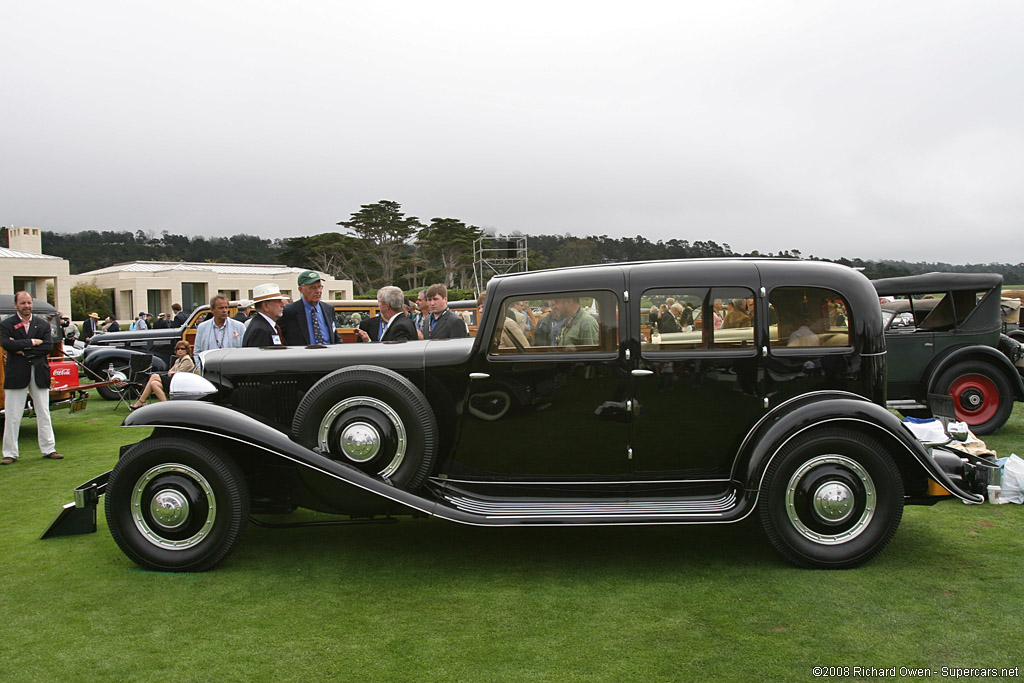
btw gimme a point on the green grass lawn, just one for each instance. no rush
(431, 600)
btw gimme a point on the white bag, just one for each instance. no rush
(1013, 481)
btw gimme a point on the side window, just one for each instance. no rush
(563, 322)
(351, 317)
(697, 318)
(808, 317)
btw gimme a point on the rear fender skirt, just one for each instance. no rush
(199, 418)
(833, 409)
(988, 355)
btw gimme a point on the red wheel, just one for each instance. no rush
(981, 395)
(975, 397)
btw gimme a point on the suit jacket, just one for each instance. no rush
(88, 329)
(296, 327)
(259, 332)
(400, 329)
(449, 326)
(25, 361)
(180, 318)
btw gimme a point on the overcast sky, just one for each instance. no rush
(872, 129)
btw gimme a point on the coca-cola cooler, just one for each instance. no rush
(64, 374)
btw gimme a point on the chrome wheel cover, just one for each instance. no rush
(833, 500)
(169, 509)
(361, 441)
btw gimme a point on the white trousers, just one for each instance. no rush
(14, 407)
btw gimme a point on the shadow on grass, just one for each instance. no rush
(423, 545)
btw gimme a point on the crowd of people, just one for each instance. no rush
(679, 316)
(268, 319)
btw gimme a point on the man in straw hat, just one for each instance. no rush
(89, 327)
(264, 330)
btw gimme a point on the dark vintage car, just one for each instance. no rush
(65, 392)
(774, 411)
(943, 335)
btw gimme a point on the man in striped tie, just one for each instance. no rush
(309, 321)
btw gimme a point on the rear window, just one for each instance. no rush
(808, 317)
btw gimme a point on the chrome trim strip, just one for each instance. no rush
(594, 509)
(449, 480)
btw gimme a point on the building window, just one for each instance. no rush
(193, 295)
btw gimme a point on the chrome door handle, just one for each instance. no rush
(642, 373)
(478, 375)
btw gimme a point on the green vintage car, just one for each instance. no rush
(943, 335)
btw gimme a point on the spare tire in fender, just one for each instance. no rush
(373, 419)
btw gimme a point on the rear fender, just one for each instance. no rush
(836, 409)
(983, 354)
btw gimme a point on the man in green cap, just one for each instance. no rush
(309, 321)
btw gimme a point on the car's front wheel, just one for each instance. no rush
(831, 498)
(981, 395)
(174, 504)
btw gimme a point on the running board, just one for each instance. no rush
(618, 510)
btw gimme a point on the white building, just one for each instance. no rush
(24, 267)
(152, 286)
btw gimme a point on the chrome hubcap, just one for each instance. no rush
(166, 516)
(169, 509)
(833, 501)
(841, 504)
(360, 441)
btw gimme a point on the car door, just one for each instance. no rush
(696, 391)
(552, 412)
(909, 350)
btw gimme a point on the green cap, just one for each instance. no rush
(308, 277)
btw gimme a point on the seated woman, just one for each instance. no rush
(159, 383)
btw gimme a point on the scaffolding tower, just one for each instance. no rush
(498, 255)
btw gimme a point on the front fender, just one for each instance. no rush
(982, 353)
(200, 418)
(834, 409)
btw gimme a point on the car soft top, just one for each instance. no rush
(936, 282)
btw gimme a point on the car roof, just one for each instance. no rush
(936, 282)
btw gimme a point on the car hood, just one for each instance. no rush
(398, 356)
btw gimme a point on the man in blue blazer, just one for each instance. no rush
(28, 340)
(309, 321)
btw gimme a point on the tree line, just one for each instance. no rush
(380, 244)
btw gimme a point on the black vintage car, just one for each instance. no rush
(775, 410)
(943, 335)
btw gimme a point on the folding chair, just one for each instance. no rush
(140, 367)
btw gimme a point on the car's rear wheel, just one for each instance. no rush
(981, 395)
(831, 498)
(372, 419)
(174, 504)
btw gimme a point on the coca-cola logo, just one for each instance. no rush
(57, 372)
